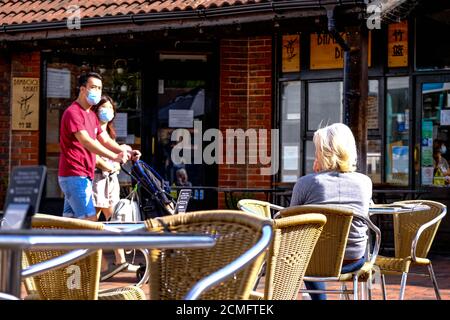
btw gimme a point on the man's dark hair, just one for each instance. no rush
(83, 79)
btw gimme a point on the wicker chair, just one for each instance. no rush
(173, 272)
(292, 246)
(261, 208)
(79, 281)
(414, 233)
(326, 261)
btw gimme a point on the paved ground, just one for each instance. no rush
(418, 287)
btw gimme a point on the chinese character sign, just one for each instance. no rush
(25, 104)
(398, 44)
(291, 53)
(326, 53)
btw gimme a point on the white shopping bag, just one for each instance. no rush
(127, 210)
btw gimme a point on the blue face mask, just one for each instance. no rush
(443, 149)
(93, 97)
(105, 114)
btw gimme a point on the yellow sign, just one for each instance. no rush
(291, 53)
(326, 53)
(398, 44)
(25, 104)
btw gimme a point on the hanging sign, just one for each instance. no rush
(398, 44)
(326, 53)
(291, 53)
(25, 104)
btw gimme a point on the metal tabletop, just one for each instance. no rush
(12, 242)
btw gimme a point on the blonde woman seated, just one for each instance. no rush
(335, 181)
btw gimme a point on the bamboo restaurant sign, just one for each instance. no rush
(326, 53)
(398, 44)
(25, 104)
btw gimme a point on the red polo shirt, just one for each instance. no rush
(76, 160)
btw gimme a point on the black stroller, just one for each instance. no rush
(154, 197)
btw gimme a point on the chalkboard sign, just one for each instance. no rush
(183, 200)
(23, 196)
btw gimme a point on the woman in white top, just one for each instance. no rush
(106, 187)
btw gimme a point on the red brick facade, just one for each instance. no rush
(20, 147)
(245, 103)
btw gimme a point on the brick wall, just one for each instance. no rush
(5, 124)
(22, 148)
(245, 103)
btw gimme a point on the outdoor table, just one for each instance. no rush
(383, 195)
(12, 242)
(383, 213)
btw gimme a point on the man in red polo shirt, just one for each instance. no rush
(81, 139)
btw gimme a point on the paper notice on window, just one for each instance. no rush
(427, 176)
(58, 83)
(290, 158)
(445, 117)
(181, 118)
(289, 178)
(121, 125)
(293, 116)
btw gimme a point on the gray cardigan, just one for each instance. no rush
(351, 190)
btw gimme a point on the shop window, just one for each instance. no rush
(310, 155)
(374, 160)
(290, 131)
(324, 104)
(397, 130)
(435, 133)
(374, 135)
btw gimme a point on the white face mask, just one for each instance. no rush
(443, 149)
(93, 97)
(105, 114)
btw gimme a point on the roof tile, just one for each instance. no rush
(22, 12)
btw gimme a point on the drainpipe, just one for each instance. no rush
(344, 45)
(354, 96)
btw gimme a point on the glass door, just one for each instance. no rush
(184, 108)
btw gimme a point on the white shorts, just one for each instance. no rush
(106, 190)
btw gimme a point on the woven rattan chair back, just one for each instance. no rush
(290, 252)
(79, 281)
(407, 224)
(328, 255)
(173, 272)
(261, 208)
(30, 286)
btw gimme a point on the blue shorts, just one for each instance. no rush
(77, 197)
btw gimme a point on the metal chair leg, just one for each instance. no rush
(403, 285)
(355, 287)
(383, 287)
(345, 291)
(433, 279)
(369, 285)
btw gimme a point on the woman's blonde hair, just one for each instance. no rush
(335, 148)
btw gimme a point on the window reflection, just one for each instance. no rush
(397, 131)
(435, 133)
(324, 104)
(374, 160)
(290, 131)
